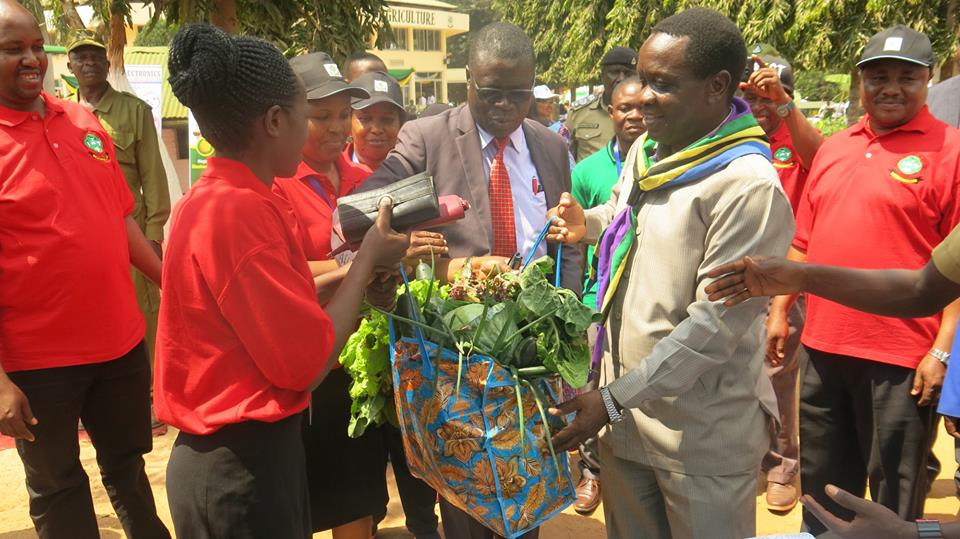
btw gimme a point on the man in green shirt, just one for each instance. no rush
(129, 122)
(593, 179)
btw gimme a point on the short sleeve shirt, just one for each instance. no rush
(878, 201)
(67, 297)
(792, 172)
(240, 335)
(946, 256)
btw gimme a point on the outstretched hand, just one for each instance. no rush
(872, 520)
(754, 277)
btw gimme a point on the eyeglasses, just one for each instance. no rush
(493, 95)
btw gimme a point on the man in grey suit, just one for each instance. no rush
(504, 165)
(682, 408)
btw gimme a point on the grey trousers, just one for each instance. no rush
(641, 501)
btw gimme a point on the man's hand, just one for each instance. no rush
(927, 380)
(754, 277)
(15, 413)
(765, 82)
(570, 225)
(424, 247)
(872, 520)
(484, 267)
(778, 328)
(950, 424)
(591, 417)
(382, 290)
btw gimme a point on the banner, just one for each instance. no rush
(147, 82)
(200, 149)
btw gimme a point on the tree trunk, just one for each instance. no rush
(117, 41)
(855, 109)
(71, 18)
(224, 15)
(37, 10)
(949, 67)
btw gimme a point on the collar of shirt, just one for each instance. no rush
(106, 100)
(781, 136)
(517, 140)
(235, 173)
(921, 123)
(350, 175)
(12, 118)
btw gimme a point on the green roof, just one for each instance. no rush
(172, 108)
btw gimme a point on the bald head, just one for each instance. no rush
(22, 59)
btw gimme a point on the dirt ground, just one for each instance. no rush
(15, 521)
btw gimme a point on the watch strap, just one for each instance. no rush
(929, 529)
(940, 355)
(613, 414)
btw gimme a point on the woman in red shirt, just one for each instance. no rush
(376, 120)
(242, 339)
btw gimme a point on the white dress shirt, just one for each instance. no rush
(529, 200)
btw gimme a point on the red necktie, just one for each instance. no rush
(501, 205)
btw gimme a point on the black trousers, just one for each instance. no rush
(419, 500)
(459, 525)
(858, 421)
(113, 401)
(247, 480)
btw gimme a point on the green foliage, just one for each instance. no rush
(818, 86)
(827, 35)
(338, 28)
(156, 34)
(829, 126)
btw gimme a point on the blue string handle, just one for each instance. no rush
(533, 251)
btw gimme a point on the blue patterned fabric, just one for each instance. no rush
(468, 445)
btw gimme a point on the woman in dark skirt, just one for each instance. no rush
(242, 339)
(345, 475)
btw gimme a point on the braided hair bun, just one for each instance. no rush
(201, 58)
(228, 82)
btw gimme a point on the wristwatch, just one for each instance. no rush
(929, 529)
(612, 413)
(940, 355)
(784, 110)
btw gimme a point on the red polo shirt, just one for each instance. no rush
(240, 335)
(793, 175)
(312, 199)
(66, 297)
(878, 201)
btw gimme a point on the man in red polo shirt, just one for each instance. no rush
(793, 144)
(71, 334)
(881, 194)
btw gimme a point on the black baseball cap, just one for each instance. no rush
(382, 89)
(321, 76)
(899, 43)
(620, 56)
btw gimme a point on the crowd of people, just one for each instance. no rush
(677, 192)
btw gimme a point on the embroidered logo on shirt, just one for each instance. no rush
(93, 142)
(783, 154)
(908, 169)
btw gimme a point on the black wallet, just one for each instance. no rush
(415, 201)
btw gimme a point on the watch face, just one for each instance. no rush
(783, 110)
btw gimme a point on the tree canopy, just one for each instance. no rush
(827, 35)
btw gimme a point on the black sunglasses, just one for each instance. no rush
(493, 95)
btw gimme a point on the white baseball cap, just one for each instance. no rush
(543, 92)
